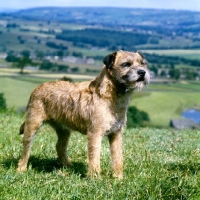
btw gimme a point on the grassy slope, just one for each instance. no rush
(16, 92)
(158, 164)
(186, 53)
(167, 101)
(163, 106)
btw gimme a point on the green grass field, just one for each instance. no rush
(164, 106)
(158, 164)
(185, 53)
(16, 92)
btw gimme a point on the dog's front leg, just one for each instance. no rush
(115, 141)
(94, 148)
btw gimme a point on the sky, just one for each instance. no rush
(193, 5)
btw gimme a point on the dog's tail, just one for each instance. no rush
(21, 130)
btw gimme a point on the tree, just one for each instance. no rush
(46, 65)
(25, 53)
(172, 65)
(153, 41)
(154, 69)
(75, 69)
(174, 73)
(77, 54)
(11, 58)
(40, 55)
(66, 79)
(136, 118)
(62, 67)
(191, 75)
(22, 62)
(2, 102)
(163, 73)
(60, 54)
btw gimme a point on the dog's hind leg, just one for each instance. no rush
(63, 134)
(28, 128)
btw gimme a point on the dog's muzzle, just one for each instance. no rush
(141, 74)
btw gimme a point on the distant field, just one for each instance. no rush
(82, 73)
(43, 74)
(163, 106)
(180, 86)
(91, 52)
(34, 35)
(186, 53)
(167, 101)
(16, 92)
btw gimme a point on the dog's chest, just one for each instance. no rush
(115, 122)
(113, 117)
(114, 127)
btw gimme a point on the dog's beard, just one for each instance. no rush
(138, 82)
(139, 85)
(141, 82)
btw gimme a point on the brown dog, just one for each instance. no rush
(96, 108)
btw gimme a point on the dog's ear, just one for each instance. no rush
(109, 60)
(144, 61)
(141, 54)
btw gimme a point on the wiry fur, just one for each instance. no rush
(95, 108)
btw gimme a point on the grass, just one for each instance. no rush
(164, 106)
(185, 53)
(16, 92)
(164, 102)
(158, 164)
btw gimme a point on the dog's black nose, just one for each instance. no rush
(141, 72)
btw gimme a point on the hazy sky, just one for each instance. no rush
(164, 4)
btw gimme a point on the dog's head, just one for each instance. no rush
(128, 69)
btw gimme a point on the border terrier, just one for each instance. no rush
(95, 108)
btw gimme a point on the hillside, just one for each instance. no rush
(160, 28)
(175, 20)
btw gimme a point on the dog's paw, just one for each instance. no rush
(21, 169)
(94, 174)
(66, 162)
(118, 176)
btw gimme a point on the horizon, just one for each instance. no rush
(19, 9)
(143, 4)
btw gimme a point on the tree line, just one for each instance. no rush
(104, 38)
(165, 65)
(175, 60)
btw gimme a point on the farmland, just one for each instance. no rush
(186, 53)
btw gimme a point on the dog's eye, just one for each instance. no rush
(126, 64)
